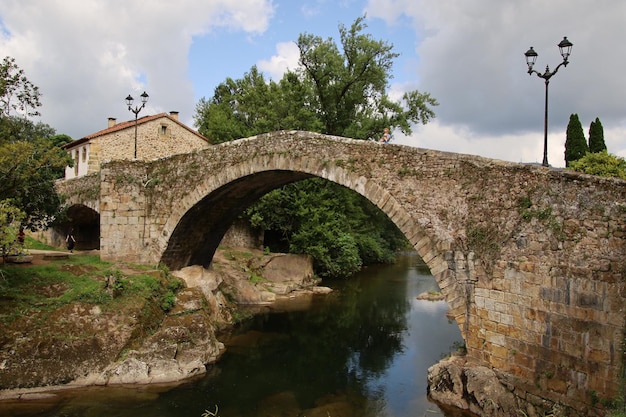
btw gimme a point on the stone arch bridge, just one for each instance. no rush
(531, 260)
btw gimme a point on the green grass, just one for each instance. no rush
(31, 243)
(80, 278)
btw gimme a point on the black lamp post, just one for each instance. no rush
(136, 110)
(565, 47)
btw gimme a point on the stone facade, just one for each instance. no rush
(158, 136)
(531, 260)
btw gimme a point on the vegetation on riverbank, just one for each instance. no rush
(36, 289)
(63, 316)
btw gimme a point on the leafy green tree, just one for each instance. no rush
(17, 93)
(30, 160)
(339, 90)
(602, 164)
(27, 174)
(350, 84)
(253, 105)
(596, 137)
(10, 220)
(338, 228)
(15, 129)
(575, 143)
(60, 140)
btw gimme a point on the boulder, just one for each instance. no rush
(454, 382)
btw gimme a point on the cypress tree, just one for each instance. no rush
(596, 137)
(575, 143)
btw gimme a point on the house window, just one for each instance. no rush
(163, 129)
(85, 154)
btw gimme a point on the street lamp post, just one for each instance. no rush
(136, 110)
(565, 48)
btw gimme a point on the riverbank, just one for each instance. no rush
(75, 321)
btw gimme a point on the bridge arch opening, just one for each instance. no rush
(204, 226)
(198, 230)
(196, 224)
(201, 229)
(85, 225)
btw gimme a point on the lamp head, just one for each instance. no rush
(565, 48)
(531, 58)
(129, 100)
(144, 97)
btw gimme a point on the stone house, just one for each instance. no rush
(158, 136)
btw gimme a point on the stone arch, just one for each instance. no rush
(85, 222)
(513, 246)
(194, 237)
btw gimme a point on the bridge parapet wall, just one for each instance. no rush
(83, 190)
(531, 260)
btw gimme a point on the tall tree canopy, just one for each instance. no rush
(351, 85)
(30, 156)
(339, 90)
(336, 91)
(252, 105)
(575, 144)
(596, 137)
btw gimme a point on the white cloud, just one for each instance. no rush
(286, 58)
(471, 59)
(87, 55)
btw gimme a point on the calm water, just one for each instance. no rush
(362, 351)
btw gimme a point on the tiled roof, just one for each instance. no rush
(127, 125)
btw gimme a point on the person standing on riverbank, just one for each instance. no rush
(70, 241)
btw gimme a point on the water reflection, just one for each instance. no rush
(363, 350)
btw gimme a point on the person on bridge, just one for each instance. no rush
(386, 136)
(70, 240)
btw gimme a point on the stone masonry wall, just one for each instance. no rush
(241, 235)
(151, 142)
(531, 260)
(84, 190)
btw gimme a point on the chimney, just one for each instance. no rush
(111, 121)
(174, 115)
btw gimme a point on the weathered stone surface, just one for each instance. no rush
(461, 383)
(530, 259)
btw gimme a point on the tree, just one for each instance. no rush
(350, 85)
(15, 129)
(17, 94)
(10, 220)
(27, 174)
(602, 164)
(338, 228)
(30, 160)
(575, 143)
(596, 137)
(252, 105)
(338, 90)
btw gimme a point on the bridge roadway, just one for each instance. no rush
(531, 260)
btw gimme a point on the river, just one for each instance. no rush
(361, 351)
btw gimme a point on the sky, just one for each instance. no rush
(86, 56)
